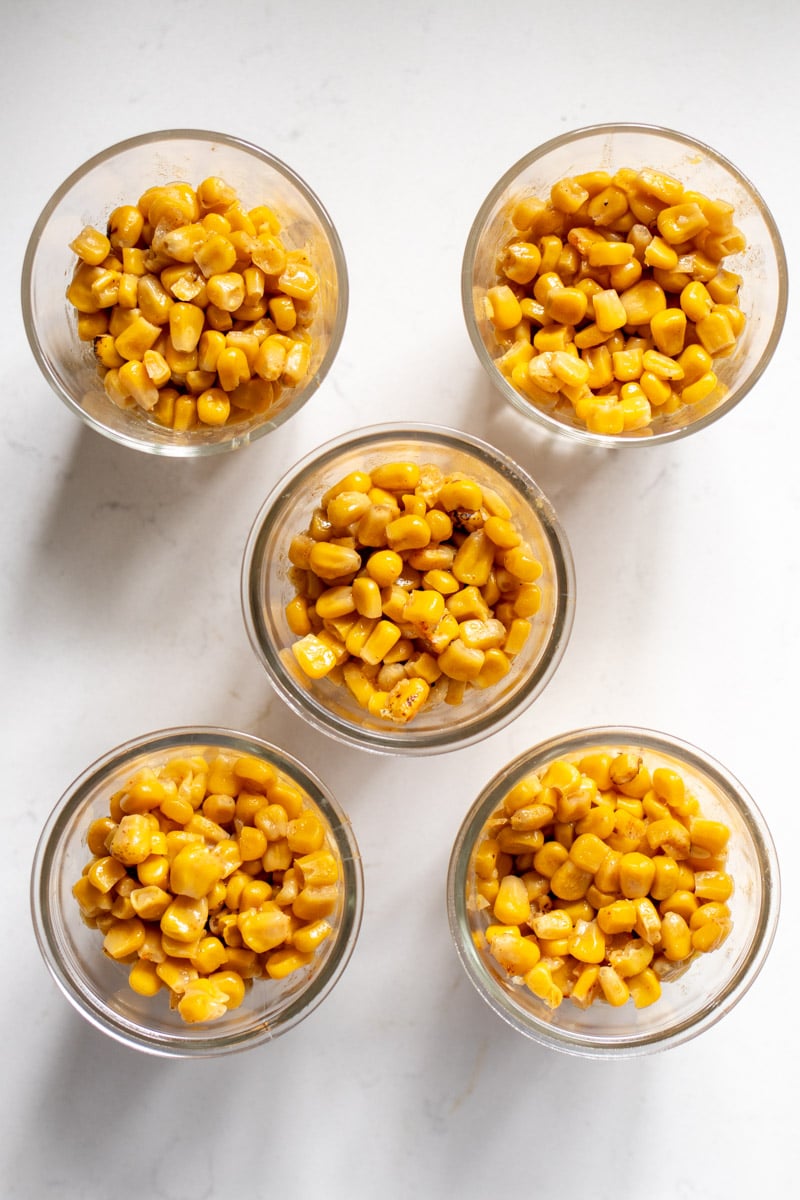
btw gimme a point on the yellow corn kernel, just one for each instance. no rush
(696, 301)
(636, 872)
(314, 658)
(648, 922)
(150, 903)
(634, 406)
(540, 981)
(723, 287)
(710, 935)
(520, 261)
(566, 305)
(606, 417)
(665, 877)
(282, 962)
(658, 253)
(627, 365)
(105, 872)
(408, 532)
(568, 195)
(700, 389)
(396, 476)
(226, 290)
(607, 206)
(617, 917)
(668, 331)
(586, 943)
(123, 938)
(264, 928)
(709, 835)
(202, 1000)
(512, 906)
(502, 307)
(474, 559)
(138, 336)
(657, 391)
(642, 302)
(585, 987)
(569, 881)
(313, 903)
(681, 222)
(713, 885)
(613, 986)
(131, 840)
(458, 661)
(185, 326)
(210, 955)
(330, 561)
(91, 245)
(154, 300)
(516, 954)
(424, 608)
(669, 836)
(645, 988)
(460, 494)
(676, 937)
(547, 860)
(380, 641)
(335, 602)
(588, 852)
(184, 918)
(143, 980)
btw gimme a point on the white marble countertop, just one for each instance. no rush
(120, 603)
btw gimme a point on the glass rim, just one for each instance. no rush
(544, 419)
(405, 740)
(185, 449)
(716, 1006)
(96, 1011)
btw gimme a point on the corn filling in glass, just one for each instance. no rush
(411, 586)
(198, 312)
(599, 880)
(612, 304)
(207, 875)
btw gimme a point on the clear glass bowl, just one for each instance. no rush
(119, 175)
(97, 986)
(713, 982)
(266, 588)
(610, 147)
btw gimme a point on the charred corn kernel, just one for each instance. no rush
(613, 987)
(586, 943)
